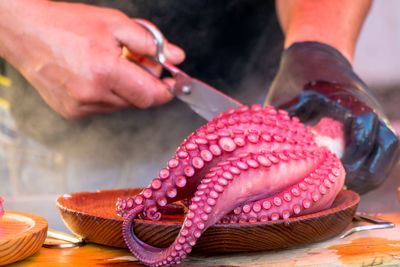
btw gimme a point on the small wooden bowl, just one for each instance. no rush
(92, 216)
(21, 235)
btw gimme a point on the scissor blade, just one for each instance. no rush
(205, 100)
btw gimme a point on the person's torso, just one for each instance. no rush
(233, 45)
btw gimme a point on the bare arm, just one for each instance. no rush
(71, 54)
(336, 23)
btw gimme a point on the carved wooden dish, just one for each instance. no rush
(92, 216)
(21, 235)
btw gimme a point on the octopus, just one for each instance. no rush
(250, 164)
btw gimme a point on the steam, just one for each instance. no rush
(127, 148)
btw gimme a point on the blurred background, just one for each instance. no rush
(377, 57)
(377, 61)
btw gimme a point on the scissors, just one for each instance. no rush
(376, 223)
(202, 98)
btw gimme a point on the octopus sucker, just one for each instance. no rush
(313, 193)
(246, 165)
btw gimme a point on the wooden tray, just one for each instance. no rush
(92, 216)
(21, 235)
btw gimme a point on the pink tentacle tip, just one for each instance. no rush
(330, 133)
(153, 215)
(329, 127)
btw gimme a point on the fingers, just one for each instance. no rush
(361, 137)
(89, 110)
(374, 169)
(174, 54)
(137, 86)
(128, 84)
(74, 109)
(148, 64)
(130, 81)
(306, 107)
(141, 41)
(114, 100)
(169, 81)
(372, 148)
(386, 152)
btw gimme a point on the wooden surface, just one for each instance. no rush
(92, 216)
(21, 235)
(377, 247)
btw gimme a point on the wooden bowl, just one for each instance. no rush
(92, 216)
(21, 235)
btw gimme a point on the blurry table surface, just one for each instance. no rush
(360, 249)
(377, 247)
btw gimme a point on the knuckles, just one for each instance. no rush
(72, 112)
(86, 95)
(144, 102)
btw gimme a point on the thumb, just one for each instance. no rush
(305, 106)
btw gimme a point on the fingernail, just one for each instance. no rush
(170, 82)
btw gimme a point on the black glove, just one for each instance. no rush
(315, 80)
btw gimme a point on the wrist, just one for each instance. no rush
(341, 44)
(325, 53)
(16, 20)
(335, 23)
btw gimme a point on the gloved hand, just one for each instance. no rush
(315, 80)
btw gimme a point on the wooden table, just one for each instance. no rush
(370, 248)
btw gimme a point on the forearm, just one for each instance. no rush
(336, 23)
(15, 17)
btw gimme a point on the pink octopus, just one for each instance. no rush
(245, 165)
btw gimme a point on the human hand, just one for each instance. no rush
(71, 53)
(314, 81)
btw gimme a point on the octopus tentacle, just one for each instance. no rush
(245, 165)
(213, 198)
(311, 194)
(230, 134)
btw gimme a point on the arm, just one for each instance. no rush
(335, 23)
(315, 79)
(71, 54)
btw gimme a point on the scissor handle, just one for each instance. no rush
(158, 39)
(159, 42)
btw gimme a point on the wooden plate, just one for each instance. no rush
(92, 216)
(21, 235)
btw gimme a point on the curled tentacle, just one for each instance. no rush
(246, 165)
(234, 183)
(147, 254)
(231, 134)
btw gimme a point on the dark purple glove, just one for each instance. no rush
(315, 80)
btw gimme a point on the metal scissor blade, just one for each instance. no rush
(205, 100)
(202, 98)
(377, 223)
